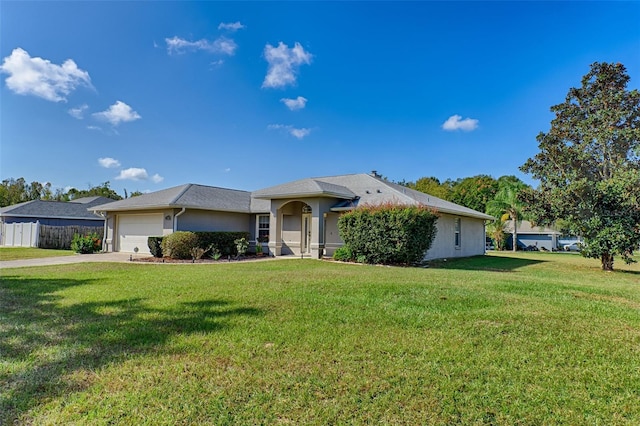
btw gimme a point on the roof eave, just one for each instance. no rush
(322, 194)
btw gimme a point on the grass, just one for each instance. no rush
(16, 253)
(505, 339)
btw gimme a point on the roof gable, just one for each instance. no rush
(187, 196)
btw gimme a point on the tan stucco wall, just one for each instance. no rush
(202, 220)
(472, 238)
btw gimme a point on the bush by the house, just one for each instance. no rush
(86, 244)
(155, 246)
(343, 254)
(388, 234)
(223, 241)
(179, 244)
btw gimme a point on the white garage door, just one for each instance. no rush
(134, 229)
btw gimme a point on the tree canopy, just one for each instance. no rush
(589, 165)
(14, 191)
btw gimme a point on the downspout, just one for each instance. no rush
(103, 215)
(175, 219)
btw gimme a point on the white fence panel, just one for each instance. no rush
(20, 234)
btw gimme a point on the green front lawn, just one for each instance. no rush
(505, 339)
(16, 253)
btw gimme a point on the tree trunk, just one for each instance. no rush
(515, 234)
(607, 262)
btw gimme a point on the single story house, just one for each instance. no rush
(296, 218)
(28, 215)
(536, 236)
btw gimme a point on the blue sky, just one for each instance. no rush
(149, 95)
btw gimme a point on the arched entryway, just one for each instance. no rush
(296, 228)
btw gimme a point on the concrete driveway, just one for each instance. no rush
(64, 260)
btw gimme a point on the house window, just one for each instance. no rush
(263, 228)
(456, 233)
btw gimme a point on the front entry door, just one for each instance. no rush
(306, 233)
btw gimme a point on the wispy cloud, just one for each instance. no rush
(231, 26)
(221, 45)
(118, 113)
(455, 122)
(39, 77)
(298, 133)
(284, 63)
(294, 104)
(94, 128)
(78, 112)
(108, 162)
(156, 178)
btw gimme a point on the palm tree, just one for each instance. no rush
(505, 205)
(495, 230)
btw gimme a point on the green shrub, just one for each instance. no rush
(179, 244)
(388, 234)
(86, 244)
(223, 241)
(155, 246)
(343, 254)
(241, 246)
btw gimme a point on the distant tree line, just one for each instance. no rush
(14, 191)
(474, 192)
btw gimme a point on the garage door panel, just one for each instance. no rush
(133, 231)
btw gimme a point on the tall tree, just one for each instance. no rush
(507, 205)
(474, 192)
(589, 165)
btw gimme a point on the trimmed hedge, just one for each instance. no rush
(155, 246)
(179, 244)
(387, 234)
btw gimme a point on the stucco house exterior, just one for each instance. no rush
(296, 218)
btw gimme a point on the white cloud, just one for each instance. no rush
(108, 162)
(94, 128)
(294, 104)
(227, 170)
(39, 77)
(455, 122)
(221, 45)
(133, 173)
(284, 63)
(156, 178)
(299, 133)
(118, 113)
(78, 112)
(231, 26)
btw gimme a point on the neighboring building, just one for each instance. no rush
(533, 236)
(55, 213)
(15, 218)
(296, 218)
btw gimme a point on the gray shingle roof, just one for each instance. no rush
(366, 189)
(76, 209)
(305, 188)
(354, 190)
(525, 227)
(191, 196)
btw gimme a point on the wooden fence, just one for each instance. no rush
(60, 237)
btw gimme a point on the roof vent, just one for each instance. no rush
(367, 191)
(375, 174)
(378, 191)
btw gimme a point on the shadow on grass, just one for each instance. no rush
(43, 342)
(485, 263)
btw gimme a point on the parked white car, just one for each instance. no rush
(577, 246)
